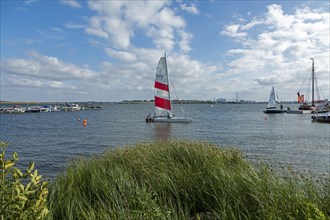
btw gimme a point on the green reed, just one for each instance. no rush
(182, 180)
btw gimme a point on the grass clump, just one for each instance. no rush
(181, 180)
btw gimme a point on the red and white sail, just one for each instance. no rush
(162, 92)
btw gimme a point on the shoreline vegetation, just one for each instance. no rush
(183, 180)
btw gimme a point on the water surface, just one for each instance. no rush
(52, 139)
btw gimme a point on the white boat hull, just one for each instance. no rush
(322, 117)
(71, 108)
(172, 119)
(298, 111)
(12, 110)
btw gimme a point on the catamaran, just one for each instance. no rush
(271, 107)
(163, 108)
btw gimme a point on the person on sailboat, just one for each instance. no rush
(149, 118)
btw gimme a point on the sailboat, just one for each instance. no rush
(271, 107)
(163, 107)
(301, 99)
(323, 113)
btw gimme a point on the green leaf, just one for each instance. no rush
(21, 186)
(9, 164)
(30, 169)
(44, 184)
(38, 178)
(30, 192)
(33, 181)
(17, 207)
(18, 190)
(15, 155)
(44, 192)
(35, 174)
(19, 172)
(28, 186)
(23, 198)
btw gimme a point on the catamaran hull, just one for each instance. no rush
(172, 120)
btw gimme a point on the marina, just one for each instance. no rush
(16, 109)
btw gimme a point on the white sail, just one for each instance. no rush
(272, 99)
(162, 92)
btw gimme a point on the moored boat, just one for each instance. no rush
(310, 106)
(297, 111)
(323, 117)
(70, 107)
(35, 109)
(323, 113)
(14, 110)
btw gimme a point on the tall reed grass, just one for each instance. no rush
(182, 180)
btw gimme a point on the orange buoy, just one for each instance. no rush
(85, 123)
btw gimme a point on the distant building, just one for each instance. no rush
(221, 100)
(233, 101)
(247, 101)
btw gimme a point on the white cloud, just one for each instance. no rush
(19, 82)
(72, 25)
(276, 17)
(280, 52)
(55, 84)
(184, 44)
(95, 27)
(44, 67)
(30, 1)
(232, 30)
(71, 3)
(121, 55)
(118, 21)
(191, 78)
(191, 9)
(272, 48)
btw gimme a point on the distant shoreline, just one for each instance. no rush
(141, 102)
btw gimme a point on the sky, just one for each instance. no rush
(72, 50)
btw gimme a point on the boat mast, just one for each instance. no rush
(168, 82)
(313, 76)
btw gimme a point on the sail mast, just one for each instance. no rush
(168, 82)
(313, 76)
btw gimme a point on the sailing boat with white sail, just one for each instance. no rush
(271, 107)
(163, 108)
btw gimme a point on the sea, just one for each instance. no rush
(54, 139)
